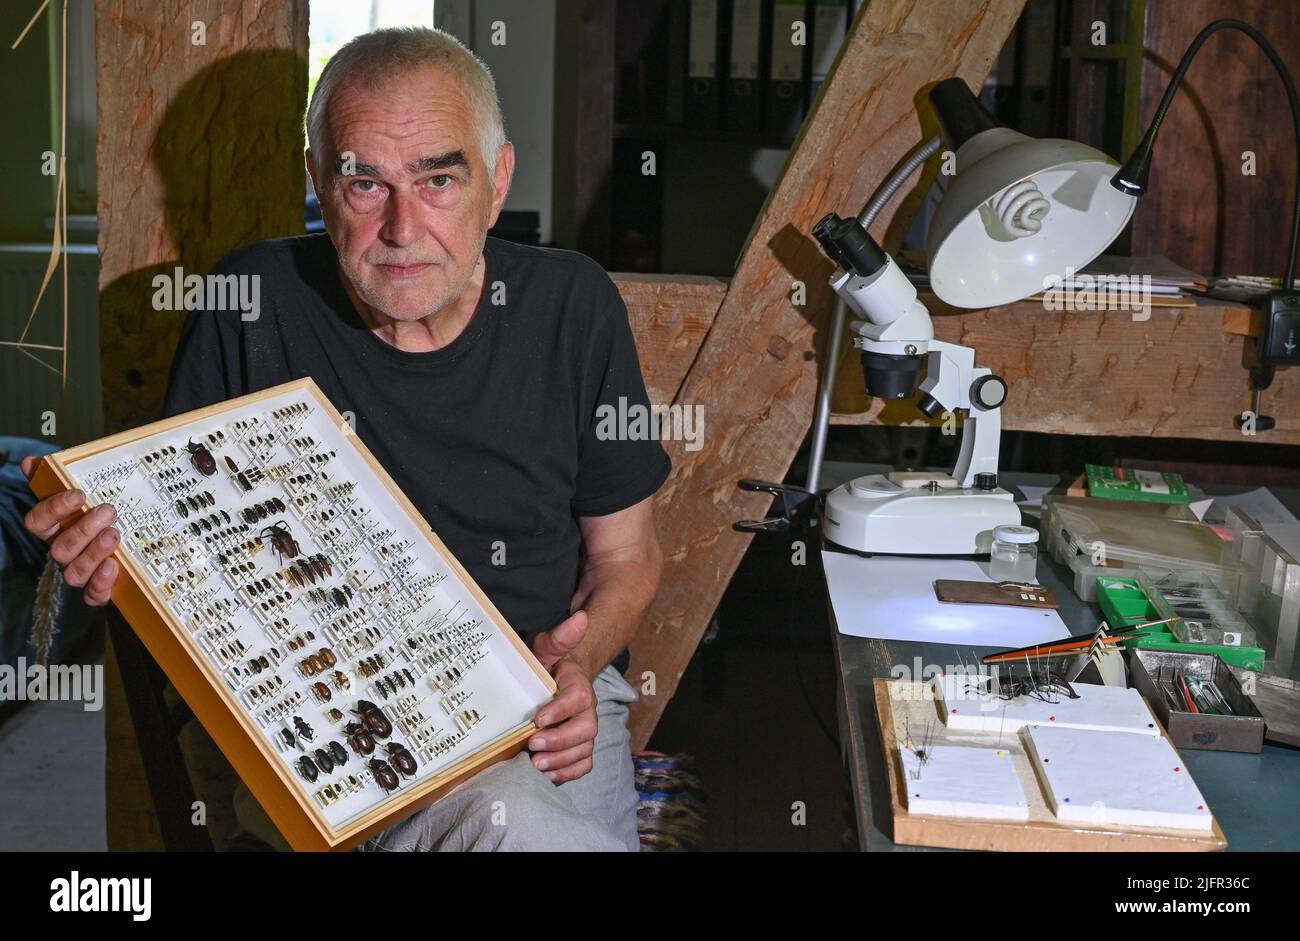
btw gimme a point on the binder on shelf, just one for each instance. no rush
(743, 104)
(703, 82)
(830, 25)
(787, 79)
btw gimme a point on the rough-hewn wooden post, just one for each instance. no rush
(200, 151)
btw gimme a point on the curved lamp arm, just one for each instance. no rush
(1131, 178)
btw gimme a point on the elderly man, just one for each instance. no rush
(474, 368)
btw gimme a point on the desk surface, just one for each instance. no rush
(1252, 796)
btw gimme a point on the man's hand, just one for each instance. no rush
(564, 746)
(85, 547)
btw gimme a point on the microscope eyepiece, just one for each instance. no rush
(849, 245)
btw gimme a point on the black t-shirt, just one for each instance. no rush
(493, 437)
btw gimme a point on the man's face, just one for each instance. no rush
(409, 220)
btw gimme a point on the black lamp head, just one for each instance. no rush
(1131, 178)
(960, 114)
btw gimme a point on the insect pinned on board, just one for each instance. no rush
(401, 759)
(1039, 681)
(373, 718)
(282, 539)
(304, 730)
(307, 768)
(923, 751)
(201, 458)
(338, 753)
(385, 775)
(362, 742)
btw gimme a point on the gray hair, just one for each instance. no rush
(387, 53)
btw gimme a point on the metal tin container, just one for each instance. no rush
(1243, 732)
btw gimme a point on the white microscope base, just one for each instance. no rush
(874, 514)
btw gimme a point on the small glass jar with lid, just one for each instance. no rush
(1014, 556)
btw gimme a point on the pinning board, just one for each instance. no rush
(1110, 778)
(902, 705)
(969, 706)
(957, 781)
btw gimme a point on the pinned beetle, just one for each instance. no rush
(373, 718)
(307, 768)
(201, 458)
(385, 775)
(304, 730)
(360, 740)
(401, 759)
(338, 753)
(282, 539)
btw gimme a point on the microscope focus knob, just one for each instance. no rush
(988, 392)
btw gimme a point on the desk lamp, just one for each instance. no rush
(1018, 211)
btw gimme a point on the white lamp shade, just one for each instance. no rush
(975, 258)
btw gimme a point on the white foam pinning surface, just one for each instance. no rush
(1106, 779)
(969, 706)
(964, 782)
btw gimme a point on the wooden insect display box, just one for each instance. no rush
(343, 660)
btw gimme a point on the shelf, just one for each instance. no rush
(675, 133)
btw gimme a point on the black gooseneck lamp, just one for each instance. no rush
(1278, 343)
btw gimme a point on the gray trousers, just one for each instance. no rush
(513, 806)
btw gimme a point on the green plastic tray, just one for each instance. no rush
(1124, 603)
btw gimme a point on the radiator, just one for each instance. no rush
(31, 396)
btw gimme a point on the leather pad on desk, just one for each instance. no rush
(955, 591)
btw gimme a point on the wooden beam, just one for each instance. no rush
(200, 151)
(670, 315)
(1175, 375)
(1243, 321)
(755, 375)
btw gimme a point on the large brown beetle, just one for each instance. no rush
(201, 458)
(281, 539)
(385, 775)
(373, 718)
(401, 759)
(361, 741)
